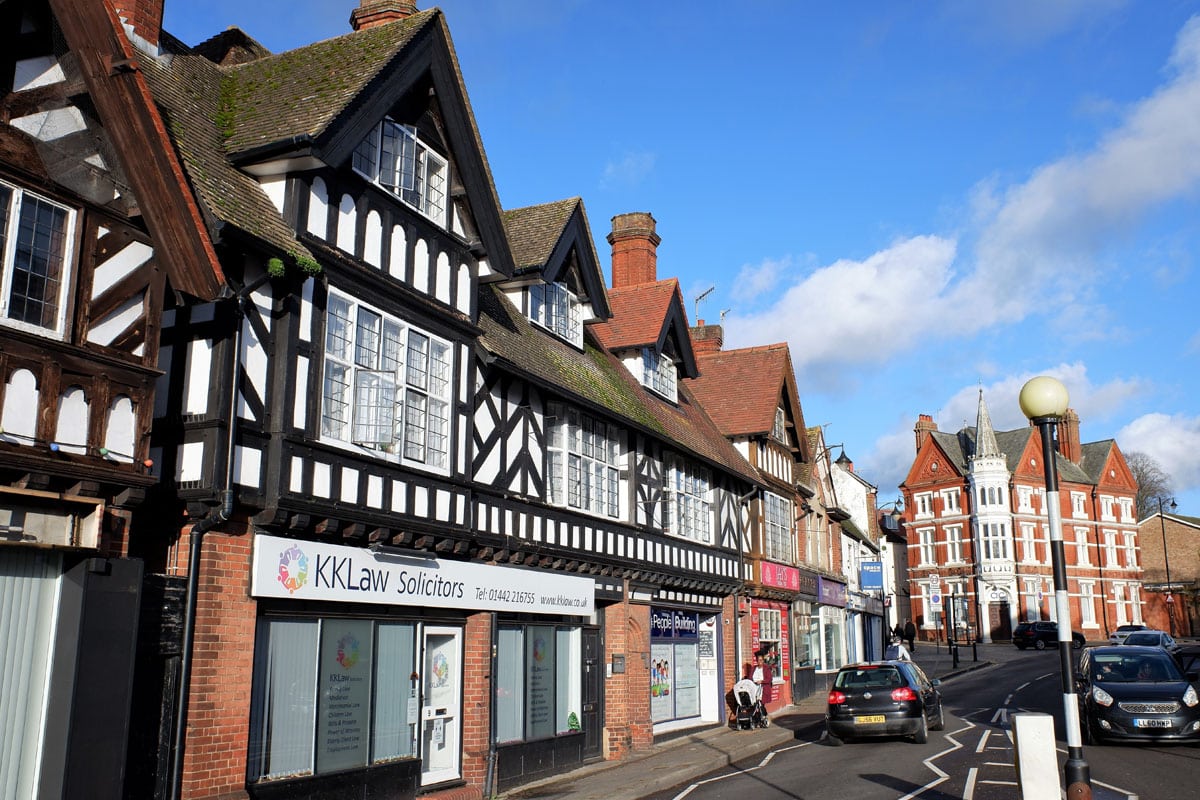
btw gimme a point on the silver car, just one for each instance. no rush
(1118, 636)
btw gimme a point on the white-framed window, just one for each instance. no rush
(555, 308)
(1028, 544)
(387, 385)
(582, 461)
(1025, 499)
(393, 157)
(770, 626)
(924, 505)
(659, 374)
(1110, 549)
(1087, 604)
(1118, 594)
(1033, 601)
(1126, 505)
(927, 547)
(954, 544)
(1135, 604)
(1082, 557)
(779, 427)
(688, 494)
(1131, 561)
(1106, 508)
(1079, 505)
(951, 502)
(994, 537)
(777, 528)
(35, 246)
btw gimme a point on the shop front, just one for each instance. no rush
(831, 624)
(685, 689)
(364, 660)
(806, 636)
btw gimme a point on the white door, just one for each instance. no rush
(441, 705)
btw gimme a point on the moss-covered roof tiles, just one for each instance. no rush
(533, 231)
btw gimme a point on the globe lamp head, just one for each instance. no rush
(1044, 397)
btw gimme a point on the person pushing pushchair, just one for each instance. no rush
(749, 711)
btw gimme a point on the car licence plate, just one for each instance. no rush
(869, 720)
(1152, 723)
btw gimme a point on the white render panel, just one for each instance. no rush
(349, 485)
(320, 480)
(347, 219)
(118, 266)
(196, 381)
(119, 431)
(47, 126)
(465, 288)
(441, 506)
(71, 433)
(374, 491)
(485, 269)
(275, 187)
(743, 447)
(420, 501)
(296, 476)
(540, 535)
(442, 278)
(464, 372)
(31, 73)
(300, 403)
(318, 209)
(460, 507)
(373, 240)
(115, 323)
(255, 362)
(399, 497)
(247, 466)
(191, 462)
(420, 279)
(306, 310)
(396, 258)
(464, 434)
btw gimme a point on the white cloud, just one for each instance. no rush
(1171, 440)
(1028, 22)
(755, 280)
(628, 170)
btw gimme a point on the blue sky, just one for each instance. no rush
(923, 199)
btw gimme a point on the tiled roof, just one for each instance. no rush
(1093, 457)
(533, 231)
(597, 379)
(300, 92)
(187, 88)
(639, 314)
(740, 389)
(960, 446)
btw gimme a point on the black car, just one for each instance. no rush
(1040, 635)
(883, 698)
(1132, 692)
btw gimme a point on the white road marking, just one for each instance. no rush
(983, 742)
(969, 789)
(1001, 715)
(942, 776)
(1019, 688)
(765, 760)
(1000, 783)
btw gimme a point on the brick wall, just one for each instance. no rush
(477, 649)
(627, 725)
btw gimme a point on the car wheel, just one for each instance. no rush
(1077, 642)
(922, 734)
(940, 725)
(1039, 645)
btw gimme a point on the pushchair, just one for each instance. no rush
(750, 711)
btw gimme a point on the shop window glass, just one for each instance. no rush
(538, 681)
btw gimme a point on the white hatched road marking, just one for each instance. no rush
(983, 741)
(765, 760)
(969, 789)
(942, 776)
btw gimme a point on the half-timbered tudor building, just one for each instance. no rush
(585, 467)
(751, 394)
(978, 532)
(96, 228)
(425, 513)
(824, 641)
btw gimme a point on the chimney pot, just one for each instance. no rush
(634, 249)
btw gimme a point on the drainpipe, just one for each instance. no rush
(489, 790)
(217, 516)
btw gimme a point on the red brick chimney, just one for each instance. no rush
(1067, 433)
(634, 249)
(925, 426)
(707, 338)
(144, 16)
(378, 12)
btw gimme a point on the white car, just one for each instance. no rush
(1118, 636)
(1151, 639)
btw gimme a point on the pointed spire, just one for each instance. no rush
(985, 436)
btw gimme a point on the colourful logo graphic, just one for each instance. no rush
(441, 670)
(347, 651)
(293, 569)
(539, 649)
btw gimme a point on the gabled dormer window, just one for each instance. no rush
(393, 157)
(555, 308)
(35, 243)
(658, 374)
(779, 428)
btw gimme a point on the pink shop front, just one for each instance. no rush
(770, 639)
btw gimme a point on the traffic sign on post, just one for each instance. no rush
(935, 601)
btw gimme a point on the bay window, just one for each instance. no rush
(582, 461)
(777, 528)
(688, 493)
(393, 157)
(659, 374)
(35, 243)
(555, 308)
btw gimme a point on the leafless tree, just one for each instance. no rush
(1154, 483)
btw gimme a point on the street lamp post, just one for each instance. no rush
(1170, 598)
(1044, 401)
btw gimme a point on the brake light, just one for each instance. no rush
(836, 698)
(904, 693)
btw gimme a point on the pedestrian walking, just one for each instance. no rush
(898, 631)
(896, 651)
(910, 634)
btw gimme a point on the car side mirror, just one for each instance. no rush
(935, 682)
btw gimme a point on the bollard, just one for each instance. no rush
(1034, 755)
(974, 652)
(954, 655)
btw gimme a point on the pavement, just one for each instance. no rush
(682, 758)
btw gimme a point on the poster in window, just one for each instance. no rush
(687, 681)
(343, 713)
(539, 656)
(662, 671)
